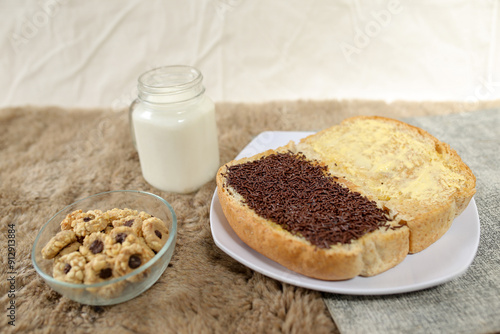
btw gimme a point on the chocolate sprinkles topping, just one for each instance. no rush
(304, 199)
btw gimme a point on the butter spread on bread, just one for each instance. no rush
(351, 200)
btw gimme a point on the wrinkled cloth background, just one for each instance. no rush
(90, 53)
(50, 157)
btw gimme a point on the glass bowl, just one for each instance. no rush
(122, 288)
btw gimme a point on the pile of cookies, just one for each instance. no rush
(96, 246)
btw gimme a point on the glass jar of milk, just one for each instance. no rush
(174, 129)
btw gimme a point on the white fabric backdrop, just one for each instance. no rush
(90, 53)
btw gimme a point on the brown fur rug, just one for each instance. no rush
(50, 157)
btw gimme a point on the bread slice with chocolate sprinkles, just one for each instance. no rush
(293, 211)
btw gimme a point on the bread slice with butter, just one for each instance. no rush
(416, 182)
(417, 177)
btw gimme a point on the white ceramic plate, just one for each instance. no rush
(443, 261)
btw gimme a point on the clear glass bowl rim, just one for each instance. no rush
(170, 240)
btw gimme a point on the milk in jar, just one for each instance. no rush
(174, 129)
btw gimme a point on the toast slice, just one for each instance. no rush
(351, 200)
(418, 178)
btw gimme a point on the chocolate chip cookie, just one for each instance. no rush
(70, 268)
(155, 233)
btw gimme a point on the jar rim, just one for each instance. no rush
(175, 80)
(178, 77)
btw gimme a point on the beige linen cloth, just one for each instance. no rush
(50, 157)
